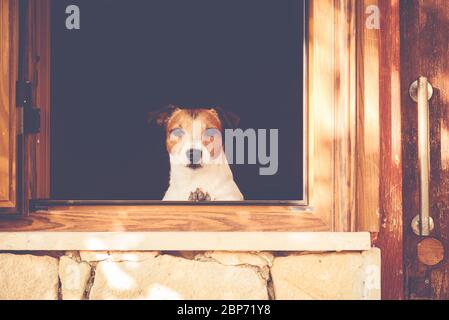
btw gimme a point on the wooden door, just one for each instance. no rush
(9, 24)
(425, 52)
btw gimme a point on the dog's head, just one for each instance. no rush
(194, 136)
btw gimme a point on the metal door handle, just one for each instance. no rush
(421, 92)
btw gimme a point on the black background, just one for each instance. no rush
(131, 57)
(278, 308)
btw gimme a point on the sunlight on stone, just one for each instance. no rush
(126, 256)
(133, 261)
(160, 292)
(116, 240)
(117, 278)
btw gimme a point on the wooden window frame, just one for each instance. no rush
(9, 28)
(342, 193)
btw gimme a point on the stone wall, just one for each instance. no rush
(189, 275)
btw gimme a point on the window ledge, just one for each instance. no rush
(184, 241)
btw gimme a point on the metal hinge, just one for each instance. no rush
(31, 120)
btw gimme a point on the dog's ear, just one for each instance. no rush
(227, 118)
(161, 116)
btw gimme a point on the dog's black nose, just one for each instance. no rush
(194, 156)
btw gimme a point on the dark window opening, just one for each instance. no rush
(131, 57)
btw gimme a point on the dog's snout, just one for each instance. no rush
(194, 156)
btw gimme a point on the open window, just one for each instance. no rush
(126, 61)
(95, 70)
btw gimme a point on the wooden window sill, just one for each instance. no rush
(162, 228)
(169, 218)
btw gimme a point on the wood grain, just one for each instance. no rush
(390, 237)
(8, 78)
(31, 73)
(368, 122)
(42, 20)
(331, 109)
(430, 252)
(165, 218)
(424, 52)
(345, 115)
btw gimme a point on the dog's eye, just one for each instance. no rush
(177, 133)
(211, 133)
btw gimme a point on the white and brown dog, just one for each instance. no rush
(199, 170)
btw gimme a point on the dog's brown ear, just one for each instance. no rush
(161, 116)
(228, 119)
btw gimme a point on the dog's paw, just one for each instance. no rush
(198, 195)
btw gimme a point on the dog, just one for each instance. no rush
(199, 170)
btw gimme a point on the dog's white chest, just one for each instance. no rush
(216, 184)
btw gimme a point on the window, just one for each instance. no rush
(127, 60)
(95, 165)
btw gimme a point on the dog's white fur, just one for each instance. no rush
(216, 180)
(214, 177)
